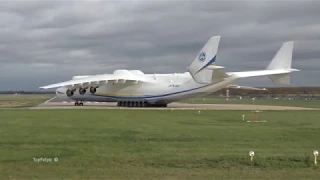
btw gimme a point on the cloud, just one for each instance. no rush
(81, 37)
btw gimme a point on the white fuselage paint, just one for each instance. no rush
(166, 88)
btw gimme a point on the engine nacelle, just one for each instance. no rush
(82, 91)
(69, 93)
(93, 90)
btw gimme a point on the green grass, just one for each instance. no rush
(18, 101)
(148, 144)
(272, 102)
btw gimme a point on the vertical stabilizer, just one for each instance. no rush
(283, 58)
(282, 61)
(199, 68)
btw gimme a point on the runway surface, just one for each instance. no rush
(60, 104)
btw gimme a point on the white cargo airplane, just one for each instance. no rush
(133, 88)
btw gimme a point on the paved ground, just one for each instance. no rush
(63, 104)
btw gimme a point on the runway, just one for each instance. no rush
(61, 104)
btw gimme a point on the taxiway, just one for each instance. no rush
(56, 104)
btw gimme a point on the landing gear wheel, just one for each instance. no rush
(77, 103)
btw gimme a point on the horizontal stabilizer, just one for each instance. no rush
(279, 69)
(214, 67)
(280, 78)
(245, 74)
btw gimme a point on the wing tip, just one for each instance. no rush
(44, 87)
(295, 70)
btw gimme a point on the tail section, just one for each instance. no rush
(278, 70)
(202, 67)
(282, 61)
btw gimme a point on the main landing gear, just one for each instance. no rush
(77, 103)
(138, 104)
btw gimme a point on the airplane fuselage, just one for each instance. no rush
(165, 89)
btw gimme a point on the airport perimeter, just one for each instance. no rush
(171, 106)
(57, 140)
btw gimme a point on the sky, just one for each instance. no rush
(45, 42)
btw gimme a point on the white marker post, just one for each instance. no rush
(227, 95)
(199, 112)
(251, 154)
(315, 153)
(243, 117)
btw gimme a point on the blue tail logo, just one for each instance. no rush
(211, 62)
(202, 56)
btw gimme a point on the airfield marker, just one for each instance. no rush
(243, 117)
(251, 154)
(199, 112)
(315, 153)
(253, 100)
(227, 95)
(255, 116)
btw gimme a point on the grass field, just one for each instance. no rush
(148, 144)
(18, 101)
(273, 102)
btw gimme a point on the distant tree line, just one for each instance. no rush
(27, 92)
(274, 92)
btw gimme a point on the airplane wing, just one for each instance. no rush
(99, 80)
(245, 87)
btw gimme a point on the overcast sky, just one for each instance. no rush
(44, 42)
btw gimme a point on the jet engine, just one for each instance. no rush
(82, 91)
(93, 90)
(69, 93)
